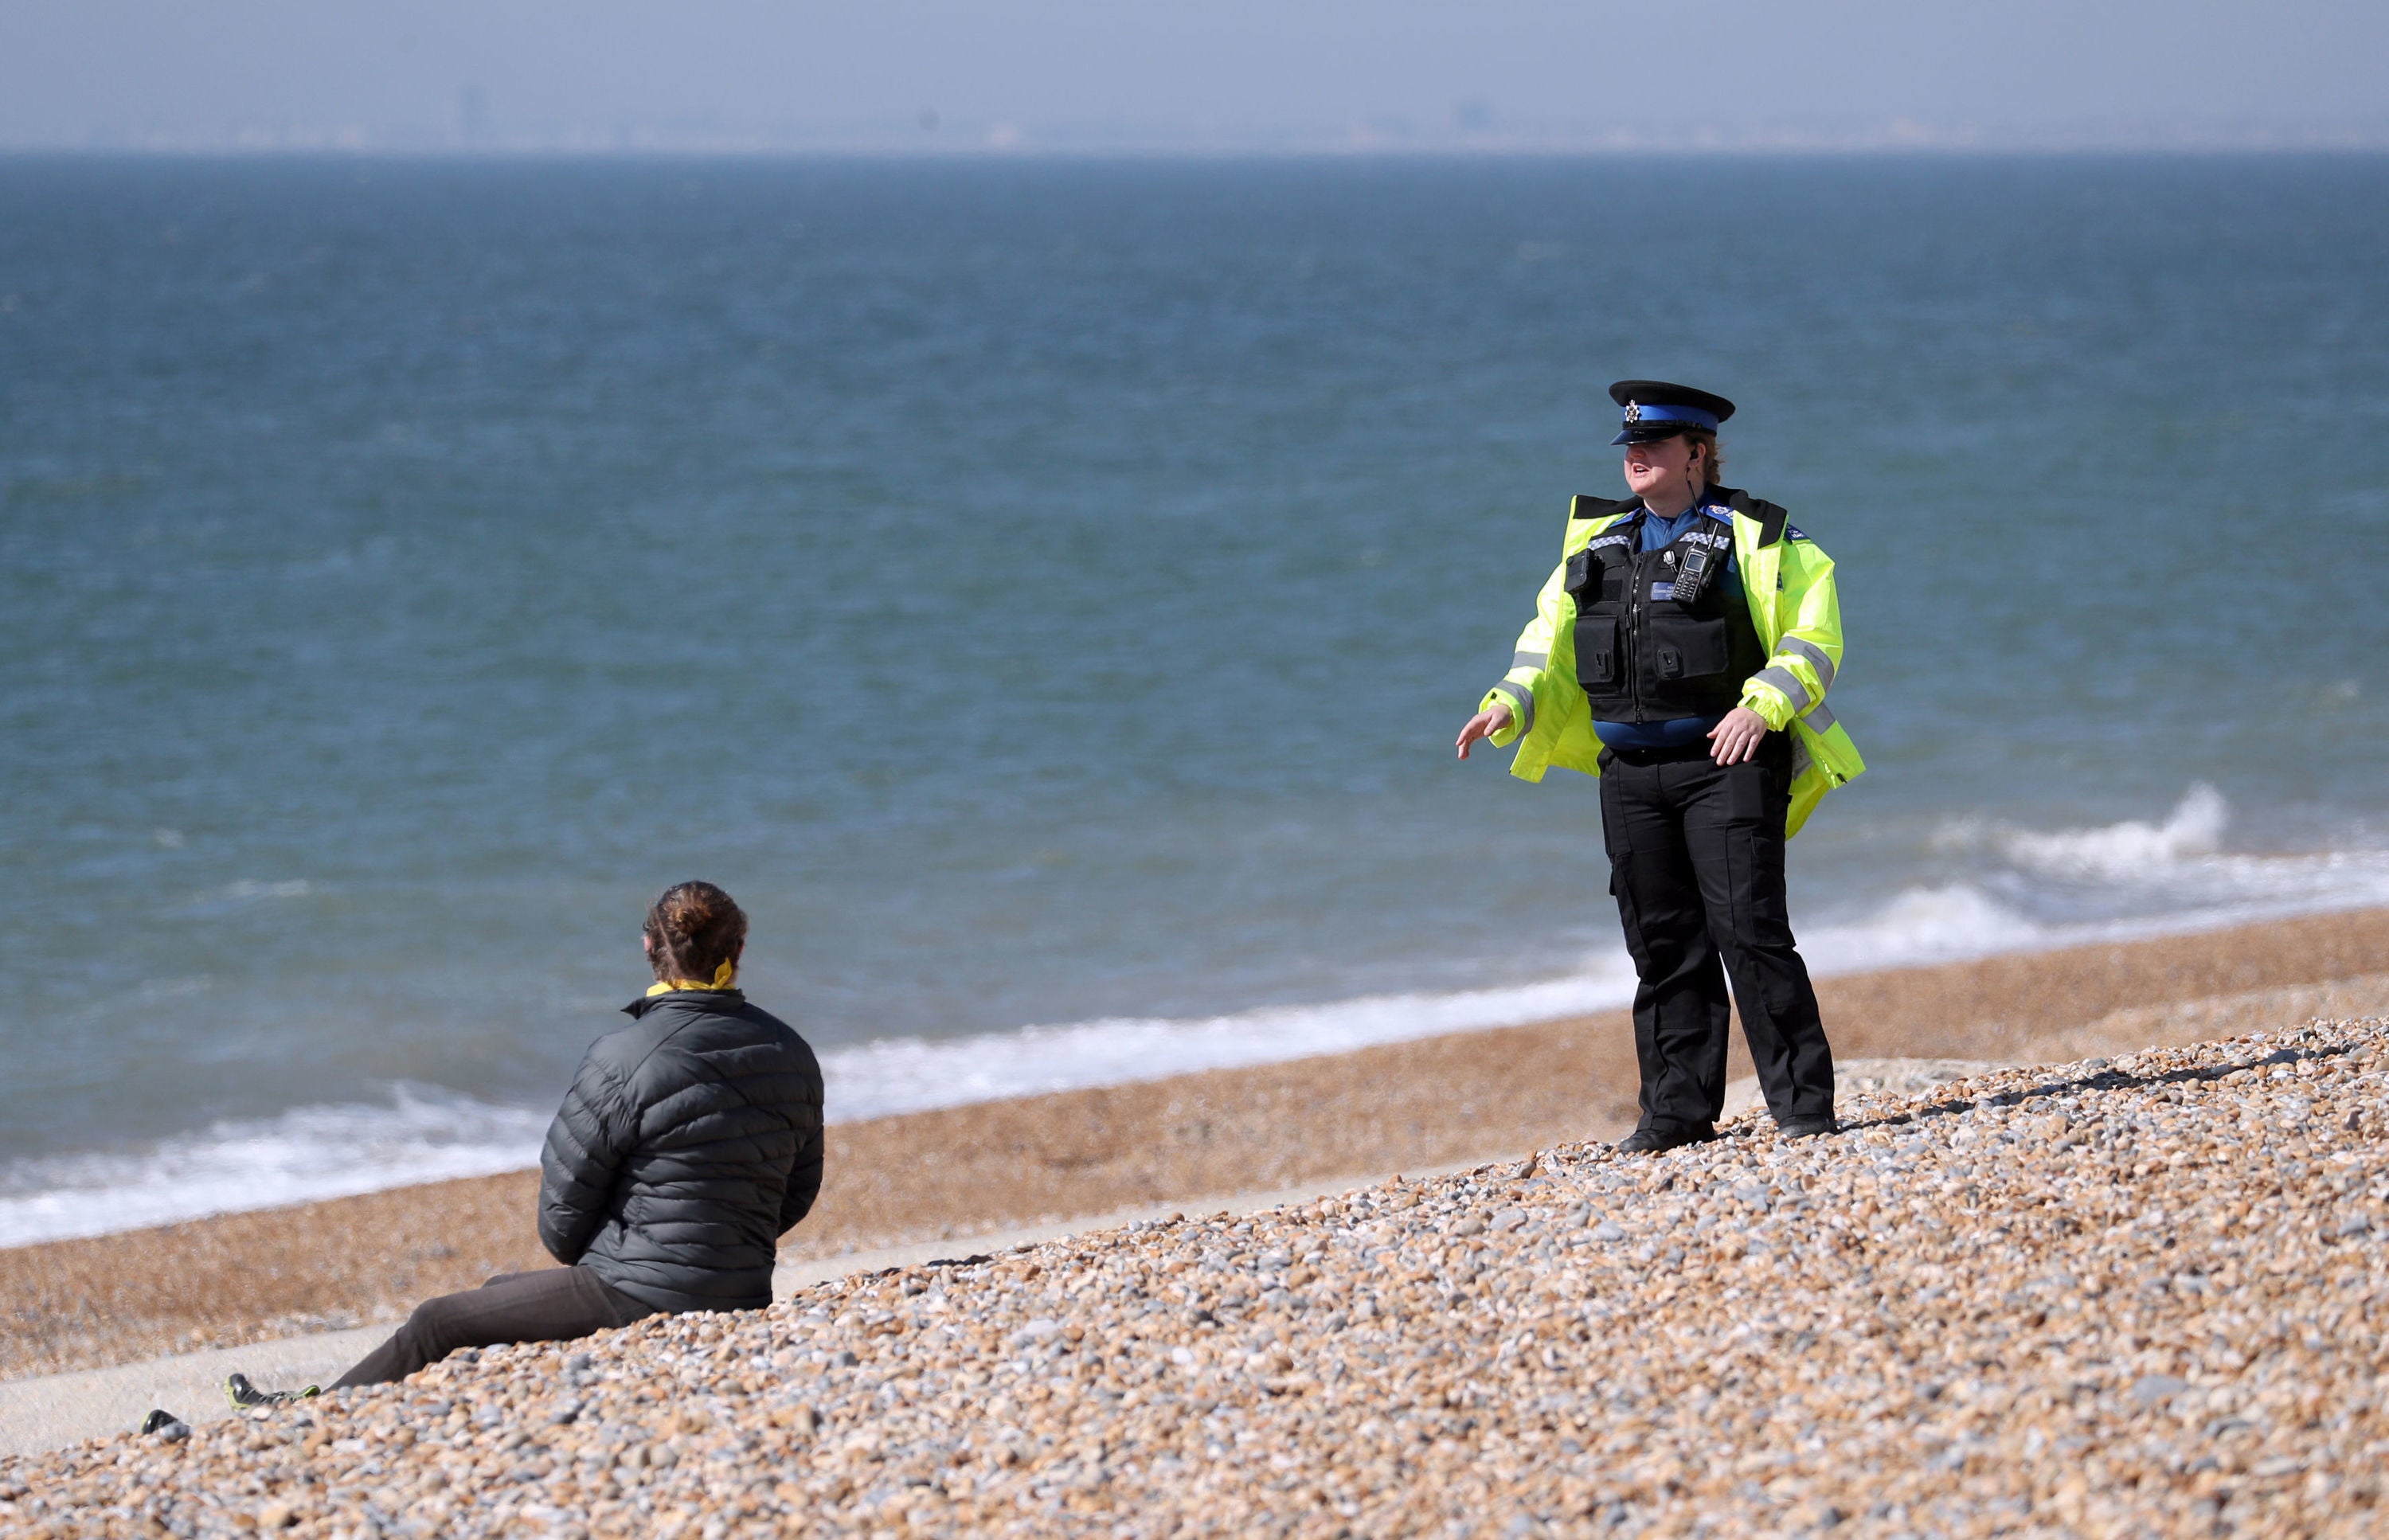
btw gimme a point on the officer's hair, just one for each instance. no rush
(1703, 438)
(693, 930)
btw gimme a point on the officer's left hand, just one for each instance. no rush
(1736, 738)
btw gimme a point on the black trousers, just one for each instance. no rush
(1696, 865)
(545, 1306)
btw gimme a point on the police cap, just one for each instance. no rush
(1655, 410)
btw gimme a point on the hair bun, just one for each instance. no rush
(693, 930)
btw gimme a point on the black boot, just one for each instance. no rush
(1654, 1142)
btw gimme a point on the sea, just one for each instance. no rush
(1046, 593)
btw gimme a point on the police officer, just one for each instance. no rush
(1681, 652)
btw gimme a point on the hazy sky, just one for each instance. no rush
(1288, 74)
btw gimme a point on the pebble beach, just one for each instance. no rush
(2139, 1295)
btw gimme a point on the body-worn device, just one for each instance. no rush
(1692, 570)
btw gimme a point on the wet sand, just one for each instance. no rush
(968, 1170)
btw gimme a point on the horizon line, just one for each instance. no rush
(1022, 152)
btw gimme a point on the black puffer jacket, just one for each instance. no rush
(688, 1145)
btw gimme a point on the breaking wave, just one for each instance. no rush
(421, 1134)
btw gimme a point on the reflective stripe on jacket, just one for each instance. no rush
(1789, 585)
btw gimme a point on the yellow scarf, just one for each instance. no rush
(722, 977)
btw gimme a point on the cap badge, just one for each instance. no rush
(1633, 411)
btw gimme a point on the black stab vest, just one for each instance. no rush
(1641, 654)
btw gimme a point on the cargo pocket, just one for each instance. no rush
(1596, 650)
(1757, 791)
(1749, 793)
(1683, 648)
(1754, 852)
(1613, 831)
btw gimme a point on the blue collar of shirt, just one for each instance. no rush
(1657, 532)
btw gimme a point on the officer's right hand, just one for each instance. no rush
(1483, 725)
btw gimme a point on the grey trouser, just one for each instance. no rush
(549, 1305)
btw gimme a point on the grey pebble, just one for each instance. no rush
(2158, 1387)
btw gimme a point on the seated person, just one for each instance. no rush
(690, 1142)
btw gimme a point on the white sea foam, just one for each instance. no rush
(2019, 889)
(421, 1134)
(2138, 878)
(2025, 889)
(901, 1075)
(2119, 882)
(2130, 849)
(1921, 925)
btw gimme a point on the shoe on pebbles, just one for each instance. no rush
(246, 1396)
(163, 1424)
(1658, 1141)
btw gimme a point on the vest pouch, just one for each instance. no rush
(1596, 651)
(1684, 649)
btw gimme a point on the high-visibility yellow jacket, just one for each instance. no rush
(1789, 584)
